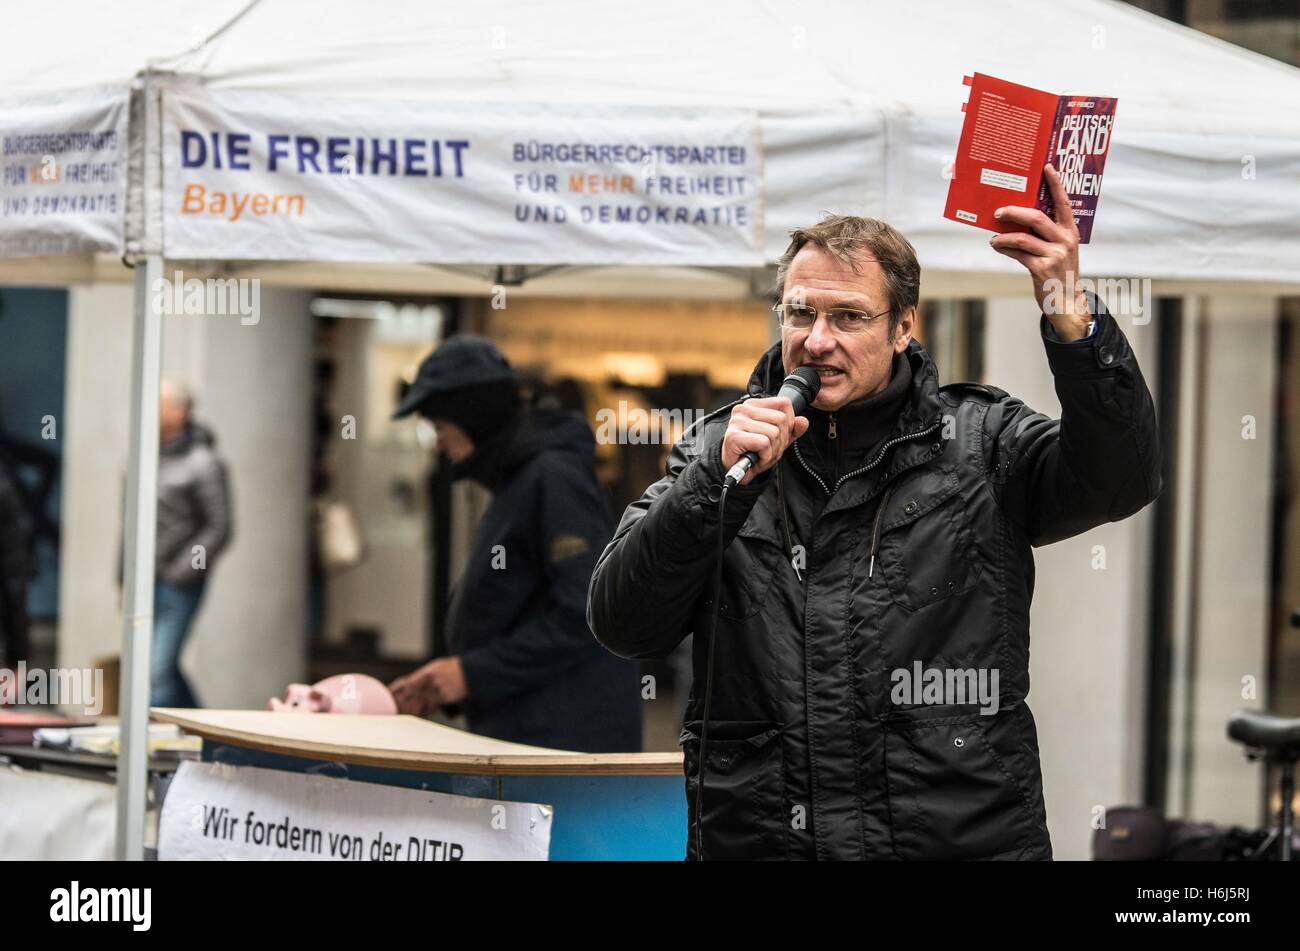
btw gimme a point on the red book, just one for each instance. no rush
(1009, 134)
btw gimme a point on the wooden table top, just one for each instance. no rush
(404, 742)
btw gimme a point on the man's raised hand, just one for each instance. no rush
(1051, 255)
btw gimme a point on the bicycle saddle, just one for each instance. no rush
(1264, 730)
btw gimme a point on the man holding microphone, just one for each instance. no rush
(878, 561)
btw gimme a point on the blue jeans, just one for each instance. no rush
(174, 608)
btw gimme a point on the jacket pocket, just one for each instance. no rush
(951, 796)
(744, 805)
(750, 562)
(926, 551)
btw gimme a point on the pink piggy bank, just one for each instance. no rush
(342, 693)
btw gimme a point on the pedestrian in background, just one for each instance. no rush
(15, 543)
(194, 528)
(524, 665)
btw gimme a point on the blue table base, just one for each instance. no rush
(596, 817)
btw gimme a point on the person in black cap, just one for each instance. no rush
(524, 665)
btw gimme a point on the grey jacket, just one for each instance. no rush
(193, 507)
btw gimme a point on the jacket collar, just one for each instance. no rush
(921, 408)
(921, 413)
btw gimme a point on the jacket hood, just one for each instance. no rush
(202, 435)
(562, 431)
(195, 434)
(460, 362)
(534, 431)
(923, 401)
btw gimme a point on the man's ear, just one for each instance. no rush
(906, 327)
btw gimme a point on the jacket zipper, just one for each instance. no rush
(820, 480)
(833, 446)
(870, 465)
(880, 510)
(884, 449)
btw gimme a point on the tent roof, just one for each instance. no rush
(873, 86)
(765, 55)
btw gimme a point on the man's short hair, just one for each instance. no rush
(846, 237)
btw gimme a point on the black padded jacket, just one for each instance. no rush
(920, 559)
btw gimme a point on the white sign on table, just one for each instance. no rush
(63, 169)
(256, 176)
(217, 811)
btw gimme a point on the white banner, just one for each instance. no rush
(216, 811)
(252, 176)
(63, 167)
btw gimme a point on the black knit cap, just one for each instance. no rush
(467, 381)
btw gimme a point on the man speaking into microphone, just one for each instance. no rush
(877, 565)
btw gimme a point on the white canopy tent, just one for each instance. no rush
(857, 104)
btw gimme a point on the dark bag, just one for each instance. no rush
(1132, 834)
(1142, 834)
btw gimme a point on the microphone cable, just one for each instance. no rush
(801, 387)
(708, 677)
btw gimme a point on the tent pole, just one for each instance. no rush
(138, 563)
(140, 535)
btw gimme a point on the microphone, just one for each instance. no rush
(800, 388)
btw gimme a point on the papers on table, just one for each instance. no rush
(104, 739)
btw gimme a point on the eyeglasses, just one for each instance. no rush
(844, 320)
